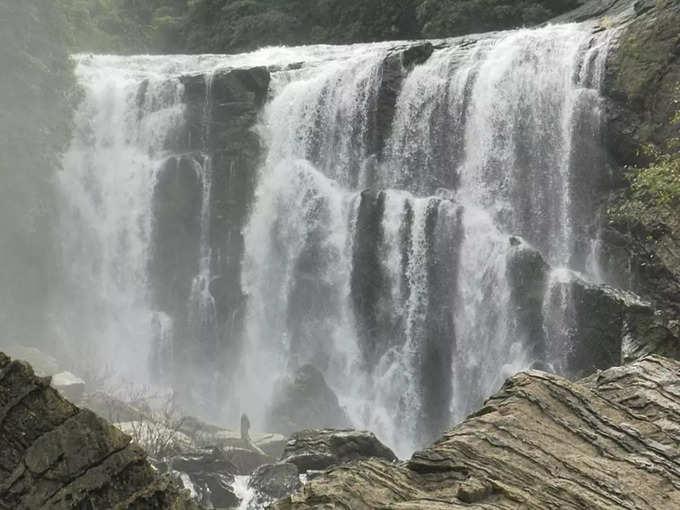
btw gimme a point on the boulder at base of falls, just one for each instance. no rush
(611, 441)
(54, 455)
(314, 450)
(272, 482)
(207, 435)
(208, 475)
(613, 327)
(305, 402)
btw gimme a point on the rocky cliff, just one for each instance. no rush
(608, 441)
(54, 455)
(643, 71)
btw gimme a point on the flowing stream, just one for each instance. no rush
(393, 205)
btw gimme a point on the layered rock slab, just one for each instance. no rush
(610, 441)
(54, 455)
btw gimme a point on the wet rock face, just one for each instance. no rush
(209, 474)
(203, 195)
(313, 450)
(612, 326)
(305, 402)
(54, 455)
(274, 481)
(642, 72)
(610, 441)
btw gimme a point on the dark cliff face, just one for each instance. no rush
(201, 203)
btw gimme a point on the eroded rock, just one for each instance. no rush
(54, 455)
(610, 441)
(274, 481)
(321, 449)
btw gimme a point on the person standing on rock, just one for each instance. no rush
(245, 427)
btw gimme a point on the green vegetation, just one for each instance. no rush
(37, 94)
(126, 26)
(442, 18)
(224, 26)
(237, 25)
(654, 187)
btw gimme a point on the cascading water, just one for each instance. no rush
(403, 188)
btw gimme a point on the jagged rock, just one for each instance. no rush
(312, 450)
(612, 326)
(641, 75)
(642, 72)
(272, 482)
(70, 386)
(210, 476)
(305, 402)
(611, 441)
(54, 455)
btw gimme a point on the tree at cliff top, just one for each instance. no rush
(127, 26)
(36, 97)
(236, 25)
(446, 18)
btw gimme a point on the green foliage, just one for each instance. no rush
(445, 18)
(654, 188)
(237, 25)
(224, 26)
(661, 179)
(126, 26)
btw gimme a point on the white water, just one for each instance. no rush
(481, 147)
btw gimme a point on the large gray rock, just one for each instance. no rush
(611, 441)
(272, 482)
(313, 450)
(54, 455)
(305, 402)
(208, 474)
(612, 326)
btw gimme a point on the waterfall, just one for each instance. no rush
(408, 198)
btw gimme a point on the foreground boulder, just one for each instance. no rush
(314, 450)
(54, 455)
(610, 441)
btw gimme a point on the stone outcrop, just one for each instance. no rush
(305, 402)
(610, 326)
(313, 450)
(54, 455)
(610, 441)
(642, 74)
(613, 327)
